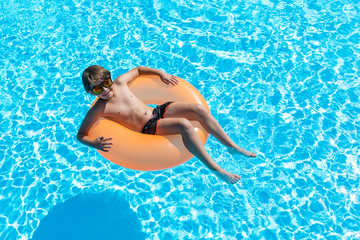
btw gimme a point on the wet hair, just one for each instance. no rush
(94, 75)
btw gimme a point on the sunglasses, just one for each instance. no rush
(99, 88)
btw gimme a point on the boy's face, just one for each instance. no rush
(105, 94)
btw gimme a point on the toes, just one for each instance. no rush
(229, 177)
(250, 154)
(235, 179)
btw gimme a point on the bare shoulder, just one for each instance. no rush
(127, 77)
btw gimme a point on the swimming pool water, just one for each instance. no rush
(281, 77)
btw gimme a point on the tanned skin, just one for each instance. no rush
(119, 104)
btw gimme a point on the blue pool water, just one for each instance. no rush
(281, 77)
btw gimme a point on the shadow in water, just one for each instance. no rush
(103, 215)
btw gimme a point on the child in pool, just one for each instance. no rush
(117, 103)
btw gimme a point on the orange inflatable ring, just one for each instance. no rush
(150, 152)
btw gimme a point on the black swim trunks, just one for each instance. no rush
(158, 113)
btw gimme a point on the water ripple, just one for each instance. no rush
(280, 76)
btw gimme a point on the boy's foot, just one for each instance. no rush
(227, 177)
(239, 150)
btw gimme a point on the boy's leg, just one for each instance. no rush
(194, 111)
(193, 143)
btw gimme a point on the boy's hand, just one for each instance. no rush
(103, 144)
(168, 78)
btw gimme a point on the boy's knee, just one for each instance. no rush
(185, 125)
(201, 110)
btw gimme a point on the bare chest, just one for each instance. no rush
(128, 111)
(120, 108)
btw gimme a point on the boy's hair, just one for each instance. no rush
(94, 74)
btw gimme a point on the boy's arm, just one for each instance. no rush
(100, 143)
(132, 74)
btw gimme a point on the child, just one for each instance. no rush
(117, 103)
